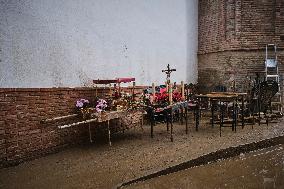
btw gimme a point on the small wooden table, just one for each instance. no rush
(168, 111)
(222, 97)
(99, 118)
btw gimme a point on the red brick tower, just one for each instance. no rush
(232, 39)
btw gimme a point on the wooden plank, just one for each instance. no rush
(59, 118)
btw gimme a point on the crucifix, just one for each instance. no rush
(168, 71)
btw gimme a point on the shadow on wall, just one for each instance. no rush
(212, 78)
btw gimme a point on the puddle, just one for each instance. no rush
(259, 169)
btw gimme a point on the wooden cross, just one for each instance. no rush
(168, 71)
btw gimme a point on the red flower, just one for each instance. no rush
(176, 96)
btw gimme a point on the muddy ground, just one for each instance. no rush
(132, 154)
(259, 169)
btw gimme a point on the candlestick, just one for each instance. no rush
(153, 91)
(170, 94)
(167, 86)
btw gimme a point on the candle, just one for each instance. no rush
(133, 88)
(153, 91)
(182, 90)
(119, 89)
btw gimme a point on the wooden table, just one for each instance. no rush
(168, 112)
(222, 97)
(99, 118)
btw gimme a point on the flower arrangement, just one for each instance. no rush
(82, 103)
(83, 107)
(101, 105)
(176, 97)
(146, 99)
(162, 98)
(118, 104)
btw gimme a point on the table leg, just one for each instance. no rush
(181, 115)
(212, 114)
(253, 118)
(172, 139)
(122, 126)
(258, 106)
(151, 117)
(236, 116)
(221, 118)
(243, 112)
(90, 133)
(233, 116)
(152, 125)
(109, 141)
(186, 126)
(196, 117)
(194, 114)
(167, 120)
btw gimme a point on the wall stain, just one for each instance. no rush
(84, 79)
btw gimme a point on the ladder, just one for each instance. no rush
(272, 73)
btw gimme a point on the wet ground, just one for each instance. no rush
(260, 169)
(132, 155)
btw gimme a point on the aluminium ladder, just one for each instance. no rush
(272, 73)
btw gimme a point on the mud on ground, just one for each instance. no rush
(132, 154)
(258, 169)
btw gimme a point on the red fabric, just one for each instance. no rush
(104, 81)
(163, 90)
(125, 80)
(117, 80)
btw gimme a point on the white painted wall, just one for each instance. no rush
(67, 43)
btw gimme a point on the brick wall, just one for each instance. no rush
(221, 68)
(23, 136)
(233, 35)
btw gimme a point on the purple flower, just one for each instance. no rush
(102, 104)
(85, 101)
(81, 103)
